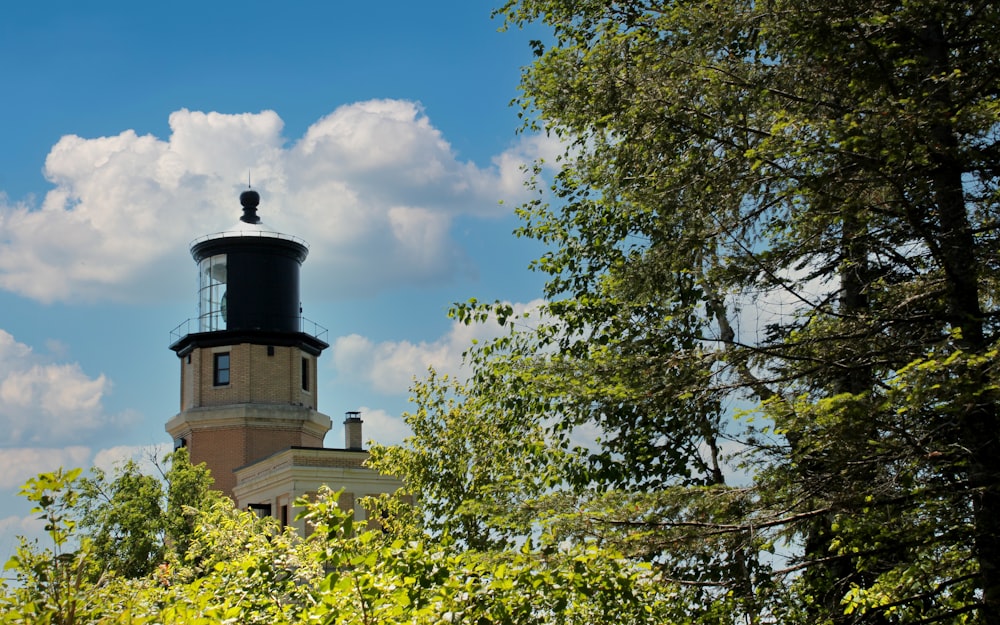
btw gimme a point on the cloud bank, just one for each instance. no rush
(390, 366)
(373, 187)
(17, 465)
(46, 401)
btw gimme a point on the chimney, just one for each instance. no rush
(352, 431)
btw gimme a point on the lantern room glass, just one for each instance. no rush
(212, 293)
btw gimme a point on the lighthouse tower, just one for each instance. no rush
(248, 368)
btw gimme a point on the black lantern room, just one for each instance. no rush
(248, 287)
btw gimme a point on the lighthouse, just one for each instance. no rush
(248, 365)
(248, 403)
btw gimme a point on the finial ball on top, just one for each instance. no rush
(249, 199)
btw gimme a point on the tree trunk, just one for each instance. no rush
(957, 254)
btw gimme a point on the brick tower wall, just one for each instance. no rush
(255, 377)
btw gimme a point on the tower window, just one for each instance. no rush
(212, 277)
(305, 374)
(220, 370)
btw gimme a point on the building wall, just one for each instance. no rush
(226, 448)
(254, 377)
(219, 448)
(190, 372)
(228, 437)
(262, 442)
(277, 481)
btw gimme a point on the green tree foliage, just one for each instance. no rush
(134, 520)
(241, 569)
(51, 581)
(474, 476)
(188, 489)
(786, 211)
(105, 534)
(124, 516)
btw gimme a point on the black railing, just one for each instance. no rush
(193, 326)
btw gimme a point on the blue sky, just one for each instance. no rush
(381, 133)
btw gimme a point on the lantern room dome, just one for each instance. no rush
(250, 225)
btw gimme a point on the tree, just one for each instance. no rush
(51, 581)
(105, 534)
(133, 520)
(188, 490)
(124, 517)
(243, 569)
(789, 211)
(473, 475)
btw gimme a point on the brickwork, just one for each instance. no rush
(352, 433)
(219, 449)
(254, 377)
(346, 501)
(261, 442)
(188, 376)
(228, 437)
(227, 447)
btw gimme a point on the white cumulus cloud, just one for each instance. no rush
(373, 187)
(17, 465)
(389, 367)
(47, 401)
(13, 527)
